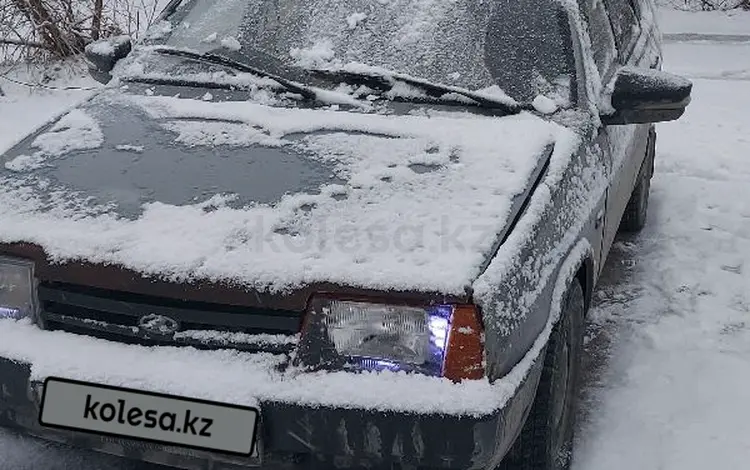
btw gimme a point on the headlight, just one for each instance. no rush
(16, 288)
(356, 335)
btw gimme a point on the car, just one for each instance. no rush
(329, 233)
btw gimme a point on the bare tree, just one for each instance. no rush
(54, 29)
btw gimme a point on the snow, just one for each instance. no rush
(719, 60)
(546, 208)
(159, 30)
(130, 148)
(732, 22)
(210, 38)
(22, 453)
(244, 378)
(384, 234)
(672, 392)
(150, 65)
(104, 47)
(594, 85)
(231, 43)
(24, 163)
(22, 110)
(147, 70)
(211, 134)
(355, 19)
(318, 55)
(228, 338)
(74, 131)
(410, 36)
(649, 77)
(544, 105)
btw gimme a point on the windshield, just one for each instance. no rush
(521, 47)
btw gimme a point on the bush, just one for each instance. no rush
(706, 5)
(52, 29)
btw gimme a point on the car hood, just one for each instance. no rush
(272, 197)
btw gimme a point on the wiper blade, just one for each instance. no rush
(218, 59)
(385, 80)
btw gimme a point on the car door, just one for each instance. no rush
(618, 33)
(604, 52)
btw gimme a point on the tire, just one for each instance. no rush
(546, 440)
(636, 212)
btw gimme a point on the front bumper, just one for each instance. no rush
(303, 434)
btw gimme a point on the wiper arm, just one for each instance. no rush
(218, 59)
(385, 80)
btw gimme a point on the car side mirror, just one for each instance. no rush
(641, 96)
(102, 56)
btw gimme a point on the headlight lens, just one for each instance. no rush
(407, 335)
(16, 288)
(368, 336)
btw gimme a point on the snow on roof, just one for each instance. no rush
(416, 203)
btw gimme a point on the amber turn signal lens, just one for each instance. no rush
(465, 355)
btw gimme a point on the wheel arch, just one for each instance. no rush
(579, 266)
(585, 275)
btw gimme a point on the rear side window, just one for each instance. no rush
(624, 23)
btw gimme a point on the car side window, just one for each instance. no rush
(602, 36)
(625, 24)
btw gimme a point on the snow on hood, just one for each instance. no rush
(416, 202)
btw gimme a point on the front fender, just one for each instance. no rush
(517, 291)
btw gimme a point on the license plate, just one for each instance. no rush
(150, 417)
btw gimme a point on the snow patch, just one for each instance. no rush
(544, 105)
(229, 338)
(210, 38)
(23, 163)
(231, 43)
(317, 56)
(243, 378)
(103, 47)
(213, 134)
(130, 148)
(75, 131)
(353, 20)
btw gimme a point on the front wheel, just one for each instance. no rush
(546, 441)
(636, 213)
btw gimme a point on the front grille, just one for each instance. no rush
(115, 316)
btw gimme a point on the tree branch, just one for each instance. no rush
(19, 42)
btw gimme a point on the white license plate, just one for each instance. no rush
(146, 416)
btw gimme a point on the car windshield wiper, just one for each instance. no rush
(385, 80)
(305, 91)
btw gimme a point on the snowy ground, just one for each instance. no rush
(669, 340)
(670, 336)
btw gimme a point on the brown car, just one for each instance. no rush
(329, 233)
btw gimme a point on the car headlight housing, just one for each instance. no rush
(17, 290)
(361, 335)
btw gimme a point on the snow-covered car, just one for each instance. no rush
(332, 233)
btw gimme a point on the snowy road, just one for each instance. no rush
(669, 339)
(671, 331)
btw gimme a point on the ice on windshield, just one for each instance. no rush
(473, 44)
(440, 40)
